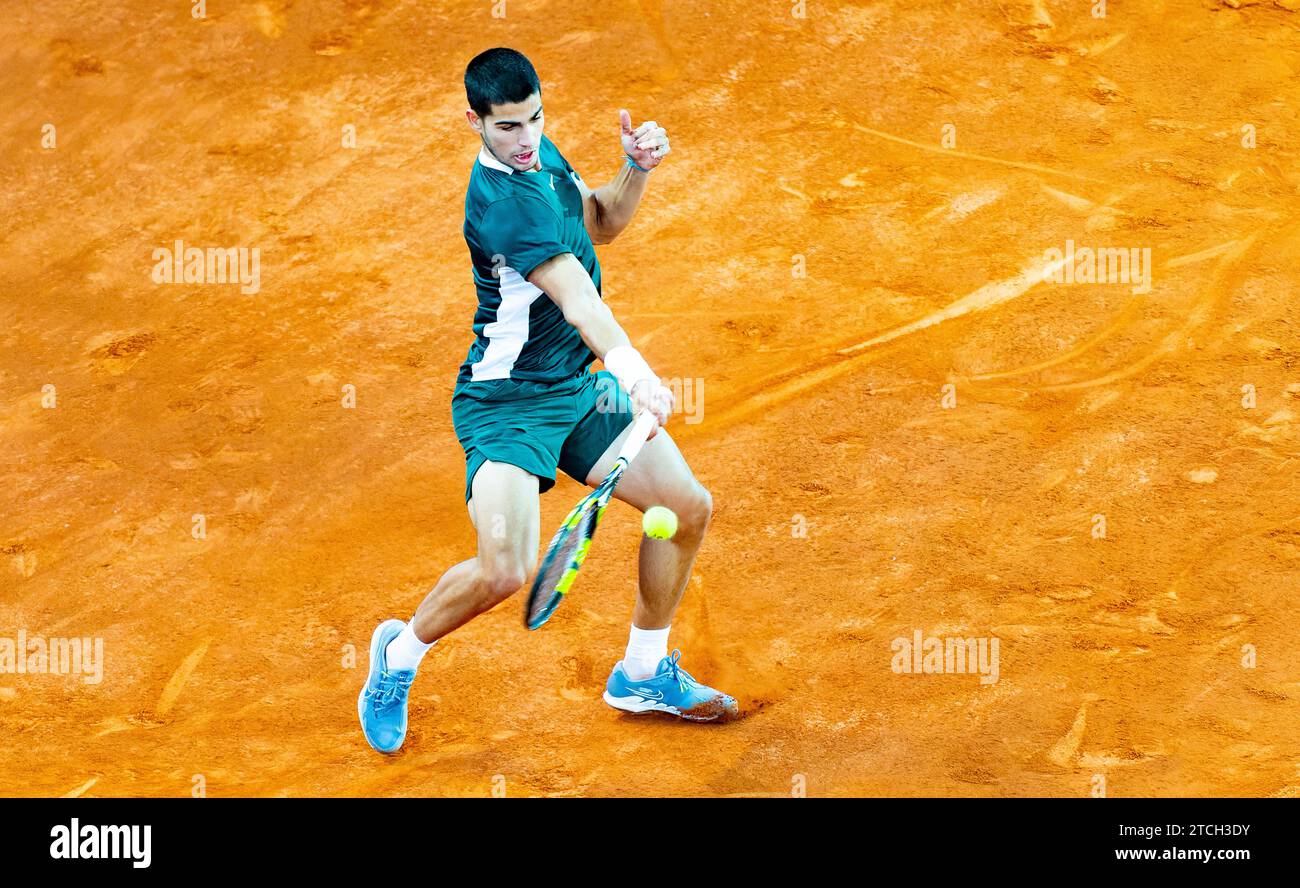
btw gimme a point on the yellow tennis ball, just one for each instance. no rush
(659, 523)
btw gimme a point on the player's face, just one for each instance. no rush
(513, 133)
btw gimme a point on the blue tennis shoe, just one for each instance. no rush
(382, 702)
(671, 689)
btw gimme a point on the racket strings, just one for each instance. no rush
(568, 550)
(560, 567)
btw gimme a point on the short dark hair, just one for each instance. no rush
(499, 76)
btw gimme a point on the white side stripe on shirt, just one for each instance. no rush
(508, 333)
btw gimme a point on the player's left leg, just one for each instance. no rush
(648, 679)
(659, 476)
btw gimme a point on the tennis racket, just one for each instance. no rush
(569, 546)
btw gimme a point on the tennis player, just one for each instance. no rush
(525, 402)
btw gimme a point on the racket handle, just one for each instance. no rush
(641, 430)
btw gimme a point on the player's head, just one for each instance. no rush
(505, 105)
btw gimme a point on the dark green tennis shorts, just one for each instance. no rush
(539, 426)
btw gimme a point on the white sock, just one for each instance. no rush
(645, 648)
(406, 651)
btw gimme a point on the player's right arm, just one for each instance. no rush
(567, 283)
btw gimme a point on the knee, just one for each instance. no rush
(695, 511)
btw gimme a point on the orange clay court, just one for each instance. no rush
(904, 427)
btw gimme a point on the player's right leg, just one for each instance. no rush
(505, 511)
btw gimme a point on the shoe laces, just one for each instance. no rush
(683, 678)
(391, 689)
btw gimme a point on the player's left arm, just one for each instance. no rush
(608, 210)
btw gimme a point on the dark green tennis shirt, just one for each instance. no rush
(515, 221)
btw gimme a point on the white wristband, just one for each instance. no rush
(628, 366)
